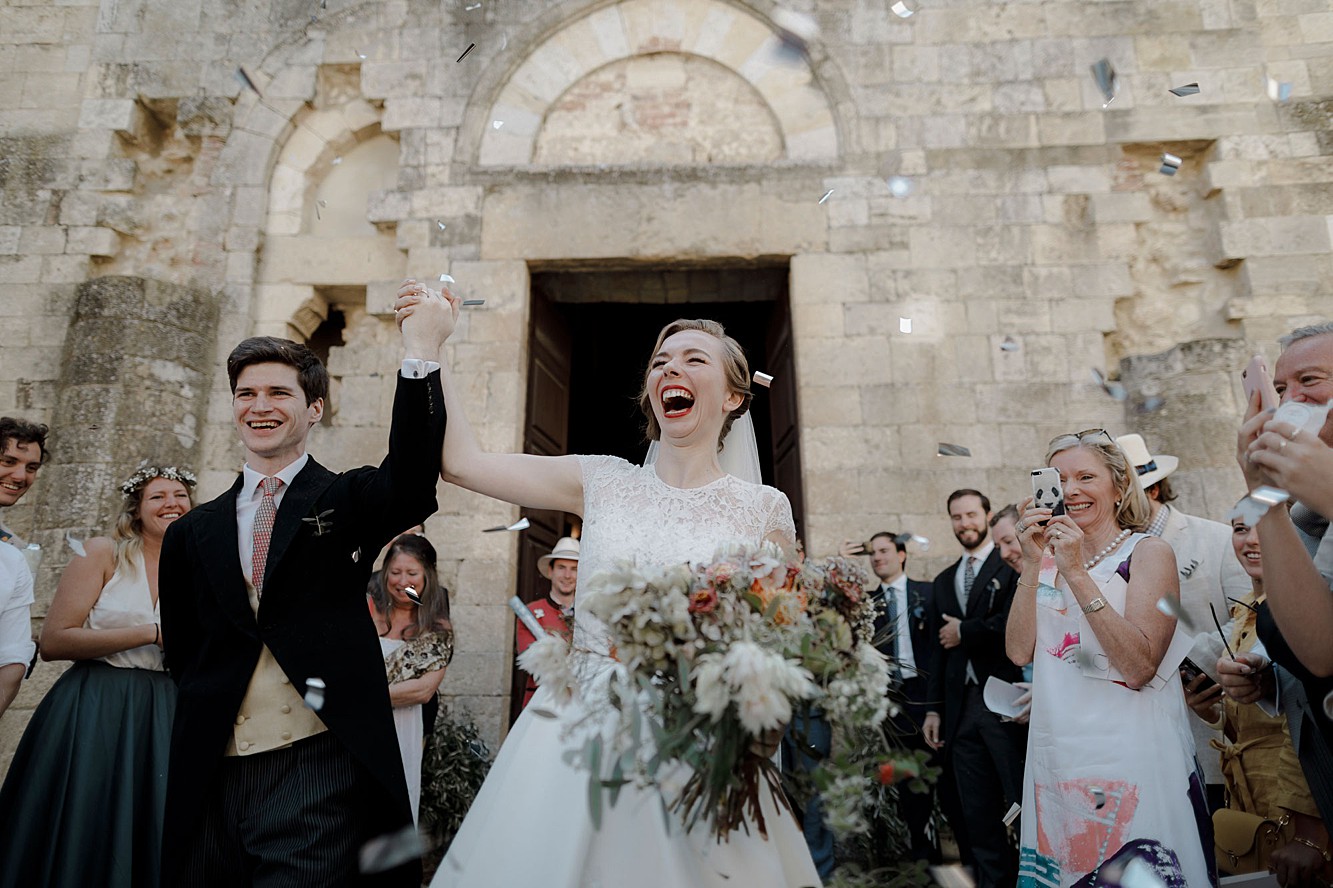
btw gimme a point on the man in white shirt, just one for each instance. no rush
(16, 647)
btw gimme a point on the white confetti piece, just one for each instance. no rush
(1328, 706)
(359, 54)
(314, 693)
(496, 124)
(447, 279)
(904, 325)
(76, 544)
(763, 379)
(1114, 389)
(1170, 164)
(952, 450)
(1151, 404)
(337, 160)
(1170, 605)
(412, 595)
(1098, 796)
(439, 224)
(1012, 814)
(902, 10)
(1009, 344)
(1278, 91)
(899, 186)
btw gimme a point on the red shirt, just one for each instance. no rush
(548, 616)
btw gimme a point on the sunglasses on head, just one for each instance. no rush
(1097, 435)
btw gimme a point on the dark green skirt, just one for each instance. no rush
(83, 800)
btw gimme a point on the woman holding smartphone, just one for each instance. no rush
(1111, 778)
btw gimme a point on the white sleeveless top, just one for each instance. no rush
(127, 601)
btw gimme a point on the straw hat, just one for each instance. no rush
(1151, 468)
(566, 548)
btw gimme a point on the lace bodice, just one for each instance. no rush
(631, 513)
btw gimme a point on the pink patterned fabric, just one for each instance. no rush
(264, 515)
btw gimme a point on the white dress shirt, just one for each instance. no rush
(981, 553)
(903, 628)
(15, 608)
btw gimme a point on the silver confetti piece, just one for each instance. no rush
(1278, 90)
(76, 544)
(1256, 504)
(1170, 605)
(953, 450)
(1269, 496)
(246, 81)
(474, 301)
(1012, 814)
(1170, 164)
(1098, 796)
(827, 195)
(1151, 404)
(902, 10)
(496, 124)
(525, 617)
(1009, 345)
(412, 595)
(1138, 873)
(32, 553)
(1103, 73)
(1114, 389)
(763, 379)
(954, 875)
(477, 748)
(447, 279)
(359, 54)
(904, 325)
(520, 524)
(439, 224)
(393, 849)
(314, 693)
(1189, 89)
(356, 555)
(472, 7)
(466, 51)
(899, 186)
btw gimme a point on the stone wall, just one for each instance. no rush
(1029, 235)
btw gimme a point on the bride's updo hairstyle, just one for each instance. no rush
(734, 365)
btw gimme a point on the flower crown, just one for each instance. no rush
(148, 473)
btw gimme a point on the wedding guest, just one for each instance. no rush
(1111, 772)
(1002, 530)
(1263, 775)
(22, 452)
(1296, 621)
(417, 640)
(983, 754)
(283, 708)
(83, 802)
(1210, 578)
(16, 647)
(555, 612)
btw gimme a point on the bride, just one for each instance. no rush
(531, 824)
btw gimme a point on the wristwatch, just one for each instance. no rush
(1095, 605)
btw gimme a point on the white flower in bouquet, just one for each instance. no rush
(547, 660)
(765, 684)
(711, 691)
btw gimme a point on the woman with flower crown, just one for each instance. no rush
(680, 508)
(83, 801)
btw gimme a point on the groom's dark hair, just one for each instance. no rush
(310, 370)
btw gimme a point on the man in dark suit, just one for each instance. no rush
(968, 609)
(901, 635)
(284, 760)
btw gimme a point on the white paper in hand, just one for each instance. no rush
(1001, 697)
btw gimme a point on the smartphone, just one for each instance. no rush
(860, 549)
(1254, 377)
(1046, 490)
(1189, 670)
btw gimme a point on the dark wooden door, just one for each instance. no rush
(783, 417)
(550, 349)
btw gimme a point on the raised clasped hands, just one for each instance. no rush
(425, 316)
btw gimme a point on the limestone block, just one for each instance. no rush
(122, 115)
(943, 247)
(1122, 207)
(93, 241)
(331, 260)
(444, 202)
(42, 240)
(829, 278)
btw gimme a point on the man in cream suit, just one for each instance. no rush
(1209, 573)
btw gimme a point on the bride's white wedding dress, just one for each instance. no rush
(530, 824)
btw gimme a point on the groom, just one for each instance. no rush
(284, 759)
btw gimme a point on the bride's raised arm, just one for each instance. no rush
(538, 482)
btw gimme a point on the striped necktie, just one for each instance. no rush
(264, 515)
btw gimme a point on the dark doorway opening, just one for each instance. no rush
(591, 334)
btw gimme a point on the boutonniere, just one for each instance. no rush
(320, 522)
(1187, 571)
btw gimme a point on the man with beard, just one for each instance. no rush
(968, 609)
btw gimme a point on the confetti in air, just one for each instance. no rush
(359, 54)
(827, 195)
(900, 186)
(763, 379)
(1170, 605)
(76, 545)
(412, 595)
(1012, 814)
(520, 524)
(466, 51)
(904, 325)
(1114, 389)
(1189, 89)
(496, 124)
(393, 849)
(902, 10)
(474, 301)
(1103, 74)
(1098, 796)
(314, 693)
(472, 7)
(1170, 164)
(1009, 345)
(440, 225)
(1278, 91)
(319, 205)
(337, 160)
(952, 450)
(447, 279)
(954, 875)
(247, 82)
(1151, 404)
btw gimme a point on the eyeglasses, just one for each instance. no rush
(1096, 435)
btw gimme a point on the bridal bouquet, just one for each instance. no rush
(718, 659)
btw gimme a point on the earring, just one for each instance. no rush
(1117, 504)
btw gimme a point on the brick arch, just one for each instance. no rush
(734, 37)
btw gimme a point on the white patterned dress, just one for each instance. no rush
(530, 824)
(1110, 771)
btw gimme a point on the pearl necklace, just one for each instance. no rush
(1111, 547)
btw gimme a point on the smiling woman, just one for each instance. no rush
(83, 801)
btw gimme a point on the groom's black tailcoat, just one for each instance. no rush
(313, 617)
